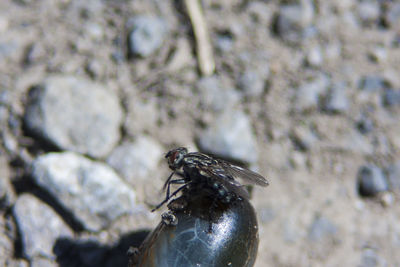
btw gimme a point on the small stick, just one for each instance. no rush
(204, 49)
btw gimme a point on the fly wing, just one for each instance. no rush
(221, 176)
(246, 175)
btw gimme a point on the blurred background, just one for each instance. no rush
(93, 93)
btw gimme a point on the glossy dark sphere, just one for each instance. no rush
(190, 235)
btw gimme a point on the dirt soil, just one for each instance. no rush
(312, 213)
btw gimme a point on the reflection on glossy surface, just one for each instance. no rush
(230, 240)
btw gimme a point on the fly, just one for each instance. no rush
(202, 173)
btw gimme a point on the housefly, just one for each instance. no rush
(201, 173)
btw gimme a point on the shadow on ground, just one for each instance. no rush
(73, 253)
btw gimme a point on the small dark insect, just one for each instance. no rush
(202, 173)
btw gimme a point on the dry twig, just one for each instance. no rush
(203, 45)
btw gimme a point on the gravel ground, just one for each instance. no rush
(92, 93)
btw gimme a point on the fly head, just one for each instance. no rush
(175, 157)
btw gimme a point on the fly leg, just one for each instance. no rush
(168, 196)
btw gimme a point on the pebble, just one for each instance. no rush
(251, 83)
(7, 195)
(303, 137)
(225, 43)
(337, 100)
(94, 30)
(371, 180)
(393, 175)
(293, 20)
(321, 228)
(372, 83)
(230, 136)
(259, 11)
(147, 35)
(391, 97)
(6, 242)
(75, 114)
(308, 94)
(43, 262)
(354, 142)
(365, 125)
(4, 23)
(392, 16)
(332, 51)
(314, 56)
(370, 258)
(12, 262)
(182, 56)
(129, 161)
(4, 115)
(8, 49)
(215, 95)
(297, 159)
(39, 226)
(34, 53)
(368, 12)
(386, 199)
(91, 190)
(378, 54)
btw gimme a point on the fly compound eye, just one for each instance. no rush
(173, 158)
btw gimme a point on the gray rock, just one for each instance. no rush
(43, 262)
(75, 114)
(371, 180)
(378, 54)
(332, 51)
(391, 97)
(321, 228)
(260, 11)
(314, 56)
(39, 226)
(136, 160)
(252, 83)
(369, 12)
(370, 258)
(293, 20)
(392, 16)
(224, 43)
(6, 243)
(7, 195)
(307, 95)
(34, 53)
(372, 83)
(365, 125)
(354, 142)
(12, 262)
(147, 35)
(5, 97)
(393, 175)
(337, 100)
(215, 95)
(92, 191)
(230, 136)
(8, 49)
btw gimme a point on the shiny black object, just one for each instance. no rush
(209, 175)
(182, 237)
